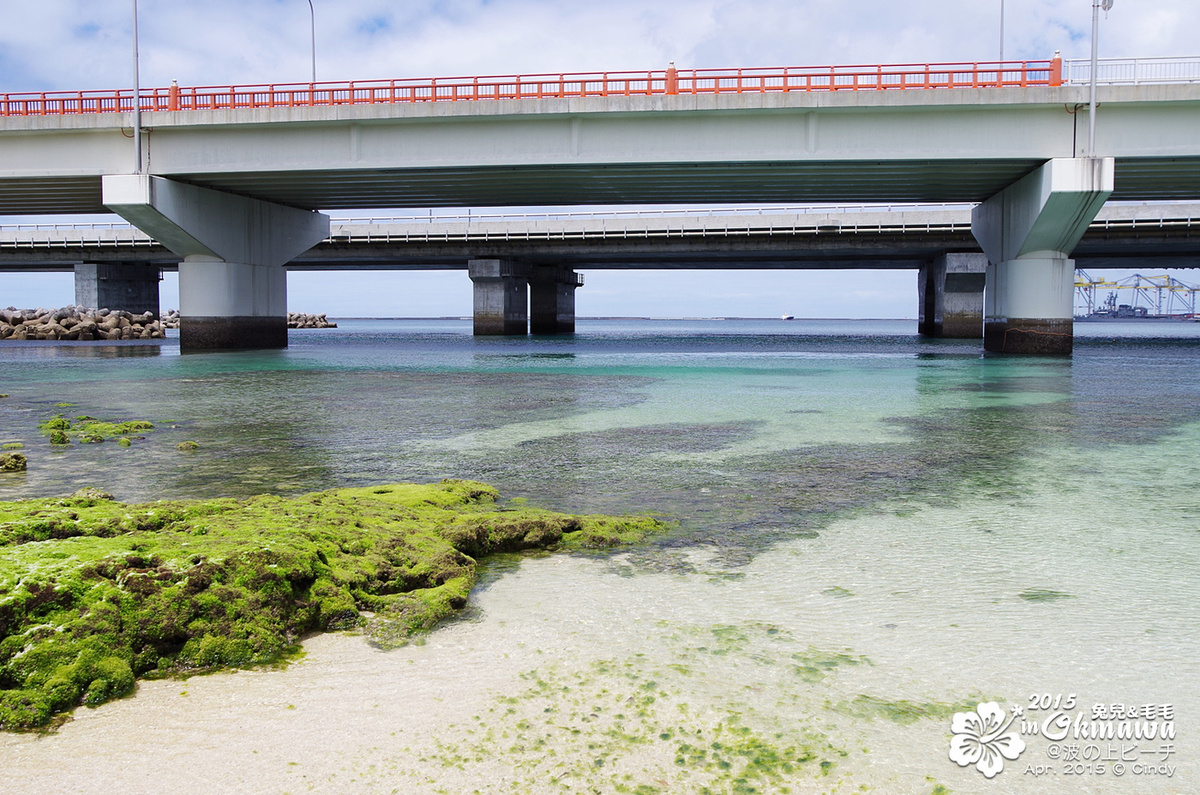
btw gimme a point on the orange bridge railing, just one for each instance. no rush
(669, 81)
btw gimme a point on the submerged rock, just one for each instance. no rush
(89, 430)
(13, 462)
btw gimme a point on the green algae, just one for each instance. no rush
(13, 462)
(679, 719)
(619, 725)
(89, 430)
(1043, 595)
(186, 447)
(95, 593)
(901, 711)
(12, 446)
(815, 665)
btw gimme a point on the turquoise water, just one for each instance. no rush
(873, 530)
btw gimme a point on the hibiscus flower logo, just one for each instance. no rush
(981, 738)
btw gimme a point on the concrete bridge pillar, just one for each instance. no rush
(130, 286)
(552, 300)
(1028, 231)
(232, 286)
(501, 296)
(950, 291)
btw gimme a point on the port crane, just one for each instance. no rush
(1136, 296)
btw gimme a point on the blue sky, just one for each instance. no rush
(85, 44)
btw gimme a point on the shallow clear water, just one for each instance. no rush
(872, 529)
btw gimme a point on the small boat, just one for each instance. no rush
(789, 317)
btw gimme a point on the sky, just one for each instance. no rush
(86, 44)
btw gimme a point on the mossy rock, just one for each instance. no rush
(94, 592)
(13, 462)
(12, 446)
(186, 447)
(89, 430)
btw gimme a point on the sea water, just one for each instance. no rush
(874, 533)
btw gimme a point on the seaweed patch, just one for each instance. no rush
(96, 593)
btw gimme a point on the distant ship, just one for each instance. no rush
(1127, 312)
(789, 317)
(1111, 310)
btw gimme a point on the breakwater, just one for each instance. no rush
(170, 319)
(78, 323)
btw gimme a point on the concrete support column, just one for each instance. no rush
(232, 286)
(501, 296)
(552, 300)
(1029, 305)
(231, 305)
(129, 286)
(1028, 231)
(950, 294)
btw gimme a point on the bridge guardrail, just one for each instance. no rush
(670, 81)
(771, 222)
(1136, 71)
(476, 216)
(860, 77)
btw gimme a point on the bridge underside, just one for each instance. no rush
(943, 180)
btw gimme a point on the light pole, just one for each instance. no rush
(1001, 31)
(1096, 6)
(312, 12)
(137, 101)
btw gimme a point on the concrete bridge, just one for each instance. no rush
(118, 265)
(229, 178)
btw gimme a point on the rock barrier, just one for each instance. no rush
(78, 323)
(305, 320)
(170, 319)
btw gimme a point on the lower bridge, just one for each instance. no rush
(525, 267)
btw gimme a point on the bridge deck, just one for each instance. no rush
(929, 146)
(1166, 235)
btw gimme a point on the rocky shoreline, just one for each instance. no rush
(78, 323)
(170, 319)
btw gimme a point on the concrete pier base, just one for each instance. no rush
(501, 289)
(552, 300)
(226, 333)
(230, 305)
(128, 286)
(1029, 306)
(950, 295)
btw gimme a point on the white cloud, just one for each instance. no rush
(72, 44)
